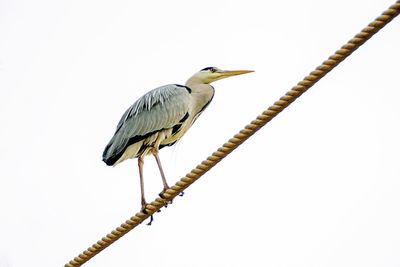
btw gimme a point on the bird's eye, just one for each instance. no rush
(211, 69)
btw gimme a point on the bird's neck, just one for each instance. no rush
(199, 87)
(201, 92)
(194, 81)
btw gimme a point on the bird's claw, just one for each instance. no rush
(151, 220)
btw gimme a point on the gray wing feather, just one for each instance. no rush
(161, 108)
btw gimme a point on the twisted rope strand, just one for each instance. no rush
(242, 136)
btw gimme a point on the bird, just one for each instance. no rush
(160, 118)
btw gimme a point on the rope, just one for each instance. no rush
(242, 136)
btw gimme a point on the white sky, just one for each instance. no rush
(319, 186)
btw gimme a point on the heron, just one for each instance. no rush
(160, 118)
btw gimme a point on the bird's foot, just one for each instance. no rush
(164, 198)
(181, 194)
(145, 212)
(163, 192)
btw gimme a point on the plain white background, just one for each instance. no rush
(319, 186)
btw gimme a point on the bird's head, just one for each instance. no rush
(212, 74)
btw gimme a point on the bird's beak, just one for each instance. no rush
(229, 73)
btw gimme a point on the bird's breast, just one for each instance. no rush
(199, 102)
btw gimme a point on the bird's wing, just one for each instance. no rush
(161, 108)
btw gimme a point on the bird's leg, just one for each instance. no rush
(140, 163)
(166, 186)
(144, 203)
